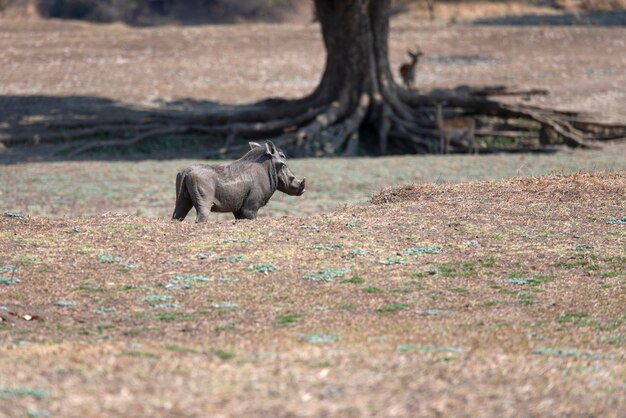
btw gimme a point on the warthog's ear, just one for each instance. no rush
(270, 148)
(254, 145)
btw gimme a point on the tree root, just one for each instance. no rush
(403, 122)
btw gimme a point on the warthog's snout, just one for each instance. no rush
(302, 189)
(295, 187)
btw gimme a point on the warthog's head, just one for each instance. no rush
(287, 181)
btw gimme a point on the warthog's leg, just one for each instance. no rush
(183, 201)
(245, 213)
(183, 206)
(202, 212)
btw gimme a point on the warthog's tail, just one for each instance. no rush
(183, 200)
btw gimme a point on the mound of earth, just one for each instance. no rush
(580, 187)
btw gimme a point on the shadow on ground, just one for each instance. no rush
(37, 128)
(609, 19)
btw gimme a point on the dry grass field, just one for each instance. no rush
(501, 298)
(491, 285)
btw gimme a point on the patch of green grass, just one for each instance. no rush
(434, 312)
(526, 298)
(583, 260)
(65, 303)
(422, 250)
(22, 392)
(392, 260)
(184, 281)
(583, 247)
(238, 241)
(354, 280)
(287, 319)
(230, 326)
(347, 307)
(8, 269)
(89, 286)
(359, 252)
(38, 413)
(495, 302)
(571, 317)
(523, 297)
(465, 269)
(402, 290)
(447, 270)
(353, 224)
(222, 354)
(429, 348)
(488, 262)
(14, 214)
(83, 331)
(617, 221)
(327, 247)
(27, 259)
(619, 339)
(108, 258)
(230, 259)
(225, 307)
(104, 327)
(157, 298)
(166, 306)
(9, 280)
(142, 354)
(180, 349)
(616, 260)
(567, 352)
(134, 332)
(263, 267)
(174, 316)
(371, 289)
(459, 290)
(518, 279)
(392, 307)
(320, 338)
(326, 275)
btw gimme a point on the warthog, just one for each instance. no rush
(241, 187)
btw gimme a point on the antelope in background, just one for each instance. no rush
(457, 129)
(431, 8)
(407, 69)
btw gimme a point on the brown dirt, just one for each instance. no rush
(527, 320)
(52, 69)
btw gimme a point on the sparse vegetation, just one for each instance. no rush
(371, 289)
(287, 319)
(320, 338)
(263, 267)
(392, 307)
(354, 280)
(217, 336)
(326, 275)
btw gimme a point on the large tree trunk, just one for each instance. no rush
(358, 106)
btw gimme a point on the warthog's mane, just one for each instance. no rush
(255, 155)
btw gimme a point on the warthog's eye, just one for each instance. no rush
(281, 155)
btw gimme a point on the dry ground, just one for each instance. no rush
(53, 69)
(146, 188)
(521, 313)
(502, 298)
